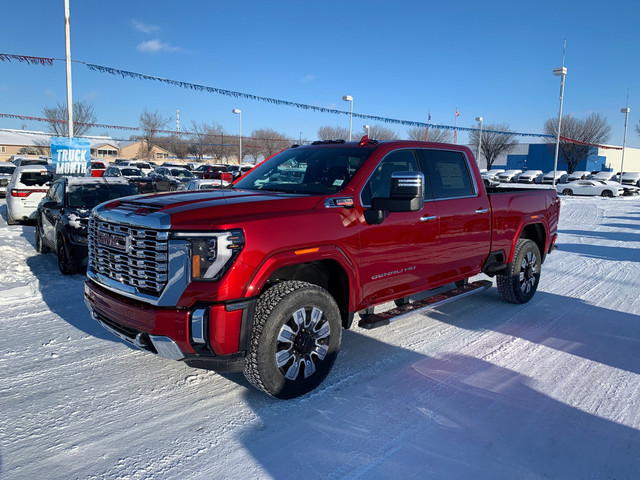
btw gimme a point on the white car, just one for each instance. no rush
(203, 184)
(548, 177)
(578, 175)
(509, 176)
(630, 178)
(601, 176)
(491, 177)
(530, 176)
(144, 167)
(28, 185)
(591, 187)
(6, 170)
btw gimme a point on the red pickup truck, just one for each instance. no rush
(262, 277)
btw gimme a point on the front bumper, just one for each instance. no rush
(218, 343)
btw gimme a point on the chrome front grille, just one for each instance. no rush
(134, 256)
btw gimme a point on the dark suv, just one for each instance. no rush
(63, 215)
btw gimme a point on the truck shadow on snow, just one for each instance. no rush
(389, 412)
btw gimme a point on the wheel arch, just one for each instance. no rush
(532, 231)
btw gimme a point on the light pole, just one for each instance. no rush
(626, 111)
(349, 98)
(479, 119)
(239, 113)
(67, 37)
(367, 127)
(559, 72)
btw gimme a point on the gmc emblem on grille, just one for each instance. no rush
(119, 242)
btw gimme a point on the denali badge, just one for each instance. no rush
(119, 242)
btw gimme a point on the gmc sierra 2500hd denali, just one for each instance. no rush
(263, 276)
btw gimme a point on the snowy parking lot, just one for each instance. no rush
(476, 389)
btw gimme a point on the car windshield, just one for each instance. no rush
(131, 172)
(176, 172)
(91, 194)
(35, 179)
(7, 169)
(306, 170)
(143, 165)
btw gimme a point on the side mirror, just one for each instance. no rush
(406, 195)
(51, 204)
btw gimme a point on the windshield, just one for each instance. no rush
(181, 173)
(7, 169)
(317, 171)
(90, 195)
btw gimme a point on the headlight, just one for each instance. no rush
(212, 253)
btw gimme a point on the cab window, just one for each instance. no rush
(379, 184)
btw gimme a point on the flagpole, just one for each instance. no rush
(455, 127)
(426, 133)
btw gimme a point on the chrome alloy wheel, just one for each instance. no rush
(528, 271)
(303, 342)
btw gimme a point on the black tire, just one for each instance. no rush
(296, 337)
(521, 283)
(65, 264)
(567, 191)
(607, 193)
(172, 188)
(40, 246)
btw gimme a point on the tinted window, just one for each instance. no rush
(449, 174)
(379, 184)
(7, 169)
(35, 179)
(91, 194)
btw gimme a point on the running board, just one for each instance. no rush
(376, 320)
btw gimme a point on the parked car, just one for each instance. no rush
(601, 176)
(238, 170)
(6, 170)
(201, 184)
(170, 179)
(509, 176)
(578, 175)
(490, 178)
(20, 161)
(214, 171)
(133, 175)
(629, 178)
(560, 176)
(591, 187)
(63, 215)
(530, 176)
(145, 167)
(98, 168)
(28, 185)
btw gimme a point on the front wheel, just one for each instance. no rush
(607, 193)
(521, 283)
(295, 341)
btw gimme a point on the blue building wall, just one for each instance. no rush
(541, 155)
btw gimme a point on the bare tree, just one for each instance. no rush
(150, 123)
(333, 133)
(83, 117)
(270, 140)
(205, 139)
(437, 135)
(30, 150)
(638, 128)
(496, 139)
(594, 129)
(378, 132)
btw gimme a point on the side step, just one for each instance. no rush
(376, 320)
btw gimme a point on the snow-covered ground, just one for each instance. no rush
(478, 389)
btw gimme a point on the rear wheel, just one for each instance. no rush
(66, 266)
(567, 191)
(10, 220)
(521, 283)
(295, 341)
(40, 246)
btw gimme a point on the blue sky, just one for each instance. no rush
(397, 59)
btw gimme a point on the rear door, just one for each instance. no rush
(464, 214)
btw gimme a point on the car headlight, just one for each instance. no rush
(212, 253)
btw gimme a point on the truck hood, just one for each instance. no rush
(203, 208)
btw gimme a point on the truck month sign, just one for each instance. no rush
(71, 156)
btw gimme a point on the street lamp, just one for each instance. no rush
(367, 127)
(349, 98)
(479, 119)
(239, 112)
(626, 111)
(559, 72)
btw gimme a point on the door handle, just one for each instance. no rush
(482, 210)
(428, 219)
